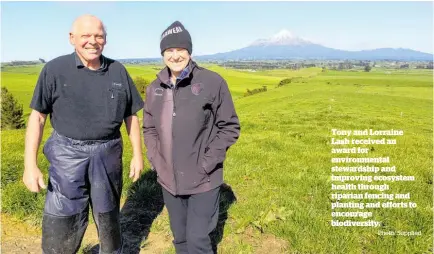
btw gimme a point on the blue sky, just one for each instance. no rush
(30, 30)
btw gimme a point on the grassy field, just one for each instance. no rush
(279, 200)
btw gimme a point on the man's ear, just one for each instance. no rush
(71, 39)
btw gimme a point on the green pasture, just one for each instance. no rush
(279, 170)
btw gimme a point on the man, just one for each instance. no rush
(88, 96)
(189, 123)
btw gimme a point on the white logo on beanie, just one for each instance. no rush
(175, 30)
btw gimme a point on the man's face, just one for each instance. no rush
(176, 59)
(88, 38)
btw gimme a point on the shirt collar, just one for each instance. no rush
(184, 72)
(164, 74)
(80, 64)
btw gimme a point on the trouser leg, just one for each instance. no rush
(66, 205)
(202, 218)
(177, 208)
(105, 176)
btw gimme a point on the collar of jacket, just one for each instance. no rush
(164, 74)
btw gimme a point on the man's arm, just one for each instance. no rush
(228, 130)
(133, 129)
(149, 131)
(32, 177)
(134, 104)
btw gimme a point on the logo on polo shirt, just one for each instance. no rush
(118, 85)
(175, 30)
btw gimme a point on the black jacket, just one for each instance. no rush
(188, 128)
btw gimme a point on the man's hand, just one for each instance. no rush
(33, 179)
(133, 129)
(136, 167)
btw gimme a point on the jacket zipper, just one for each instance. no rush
(174, 88)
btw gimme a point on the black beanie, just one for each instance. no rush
(176, 36)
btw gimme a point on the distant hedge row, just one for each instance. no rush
(255, 91)
(281, 83)
(291, 80)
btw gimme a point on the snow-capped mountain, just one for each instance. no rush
(284, 37)
(286, 45)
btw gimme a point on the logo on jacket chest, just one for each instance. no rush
(158, 91)
(196, 88)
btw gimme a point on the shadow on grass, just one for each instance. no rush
(145, 202)
(227, 198)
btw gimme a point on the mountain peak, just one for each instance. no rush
(283, 34)
(283, 37)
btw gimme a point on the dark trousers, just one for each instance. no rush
(192, 219)
(82, 173)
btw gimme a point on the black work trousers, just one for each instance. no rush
(192, 219)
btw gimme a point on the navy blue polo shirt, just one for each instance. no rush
(86, 104)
